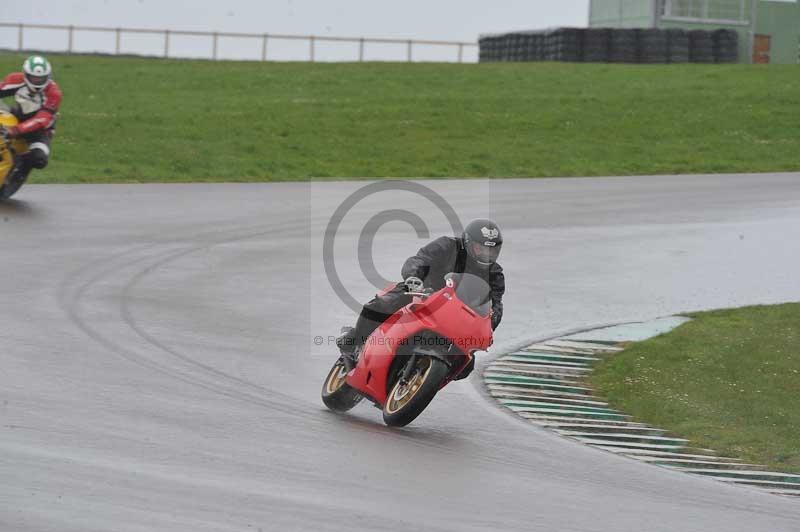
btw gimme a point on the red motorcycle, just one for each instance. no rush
(416, 352)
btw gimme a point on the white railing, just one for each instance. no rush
(259, 48)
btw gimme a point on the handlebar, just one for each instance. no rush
(426, 293)
(416, 287)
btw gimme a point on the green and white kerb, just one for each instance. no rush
(37, 71)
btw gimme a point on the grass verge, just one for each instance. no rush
(729, 381)
(129, 119)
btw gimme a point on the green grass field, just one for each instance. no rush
(126, 119)
(729, 381)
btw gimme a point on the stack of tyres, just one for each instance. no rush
(489, 48)
(523, 47)
(520, 46)
(528, 47)
(484, 49)
(677, 46)
(500, 43)
(500, 47)
(725, 46)
(595, 45)
(701, 46)
(569, 44)
(541, 46)
(535, 53)
(511, 47)
(541, 41)
(508, 47)
(613, 45)
(505, 50)
(623, 46)
(494, 48)
(549, 46)
(652, 46)
(492, 45)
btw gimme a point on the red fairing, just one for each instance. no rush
(44, 115)
(444, 314)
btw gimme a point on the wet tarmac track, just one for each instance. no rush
(159, 370)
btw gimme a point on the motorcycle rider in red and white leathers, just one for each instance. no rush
(36, 101)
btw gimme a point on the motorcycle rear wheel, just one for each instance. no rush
(336, 393)
(407, 400)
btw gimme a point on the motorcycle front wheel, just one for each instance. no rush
(336, 393)
(16, 178)
(407, 399)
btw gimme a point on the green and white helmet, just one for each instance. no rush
(37, 71)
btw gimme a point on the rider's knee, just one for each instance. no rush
(377, 305)
(38, 155)
(38, 159)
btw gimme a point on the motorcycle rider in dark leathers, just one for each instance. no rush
(474, 252)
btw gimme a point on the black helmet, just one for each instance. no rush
(482, 239)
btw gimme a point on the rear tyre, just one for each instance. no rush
(336, 393)
(407, 400)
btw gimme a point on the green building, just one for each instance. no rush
(769, 30)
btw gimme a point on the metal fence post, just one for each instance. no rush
(264, 47)
(19, 37)
(410, 57)
(461, 52)
(69, 39)
(215, 43)
(361, 50)
(118, 32)
(166, 43)
(311, 46)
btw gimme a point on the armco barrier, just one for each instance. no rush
(613, 46)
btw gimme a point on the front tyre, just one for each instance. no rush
(16, 178)
(336, 393)
(407, 399)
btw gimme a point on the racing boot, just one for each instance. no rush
(466, 371)
(347, 347)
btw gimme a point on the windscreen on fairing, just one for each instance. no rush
(474, 292)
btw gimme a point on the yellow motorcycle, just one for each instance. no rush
(12, 175)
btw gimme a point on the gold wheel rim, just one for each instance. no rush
(336, 378)
(401, 393)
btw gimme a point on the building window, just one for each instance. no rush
(701, 10)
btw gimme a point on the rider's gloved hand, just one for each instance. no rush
(8, 132)
(413, 284)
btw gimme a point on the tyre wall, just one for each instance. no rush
(607, 45)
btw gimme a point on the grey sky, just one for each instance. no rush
(420, 19)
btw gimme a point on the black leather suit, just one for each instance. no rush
(431, 263)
